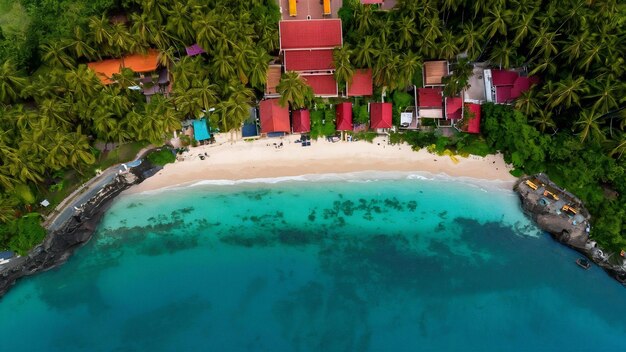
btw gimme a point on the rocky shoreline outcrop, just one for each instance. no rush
(76, 231)
(564, 216)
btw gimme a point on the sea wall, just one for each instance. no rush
(76, 231)
(569, 229)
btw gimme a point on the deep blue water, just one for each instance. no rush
(401, 264)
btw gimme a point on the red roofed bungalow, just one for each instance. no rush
(430, 97)
(142, 62)
(503, 77)
(522, 84)
(380, 115)
(301, 121)
(105, 69)
(361, 84)
(274, 118)
(309, 60)
(473, 125)
(322, 85)
(504, 94)
(310, 34)
(344, 116)
(454, 108)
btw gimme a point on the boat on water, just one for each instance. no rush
(583, 263)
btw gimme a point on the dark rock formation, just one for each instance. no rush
(547, 204)
(77, 230)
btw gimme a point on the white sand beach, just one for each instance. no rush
(263, 159)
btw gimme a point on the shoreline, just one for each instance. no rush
(261, 159)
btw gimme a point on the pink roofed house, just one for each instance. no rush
(430, 103)
(309, 60)
(504, 86)
(361, 85)
(301, 121)
(274, 118)
(454, 108)
(473, 125)
(344, 116)
(380, 115)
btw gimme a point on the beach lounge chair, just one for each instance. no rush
(531, 185)
(326, 7)
(293, 11)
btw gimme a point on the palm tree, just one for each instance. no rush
(53, 113)
(524, 26)
(259, 64)
(589, 126)
(528, 102)
(11, 83)
(364, 18)
(205, 94)
(497, 21)
(179, 21)
(502, 54)
(223, 65)
(575, 46)
(447, 46)
(568, 92)
(620, 146)
(79, 45)
(365, 53)
(100, 29)
(408, 65)
(54, 55)
(7, 208)
(591, 54)
(343, 67)
(544, 42)
(385, 72)
(294, 90)
(242, 62)
(606, 94)
(469, 41)
(84, 81)
(406, 31)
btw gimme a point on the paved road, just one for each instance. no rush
(93, 186)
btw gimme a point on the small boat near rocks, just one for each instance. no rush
(583, 263)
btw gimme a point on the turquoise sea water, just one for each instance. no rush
(393, 263)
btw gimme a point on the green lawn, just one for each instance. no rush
(13, 17)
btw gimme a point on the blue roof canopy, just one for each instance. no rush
(200, 130)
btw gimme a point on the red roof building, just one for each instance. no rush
(310, 34)
(504, 94)
(380, 115)
(503, 78)
(274, 118)
(344, 116)
(430, 97)
(473, 125)
(301, 121)
(322, 85)
(361, 84)
(454, 108)
(309, 60)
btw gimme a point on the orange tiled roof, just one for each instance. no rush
(141, 62)
(105, 69)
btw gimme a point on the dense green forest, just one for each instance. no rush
(53, 109)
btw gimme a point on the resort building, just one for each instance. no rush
(361, 85)
(152, 78)
(274, 118)
(504, 86)
(301, 121)
(471, 118)
(307, 48)
(250, 128)
(380, 116)
(433, 73)
(430, 103)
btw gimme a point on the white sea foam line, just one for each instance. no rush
(358, 176)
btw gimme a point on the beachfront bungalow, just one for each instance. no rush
(300, 121)
(504, 86)
(430, 103)
(454, 108)
(380, 116)
(250, 128)
(307, 48)
(433, 73)
(344, 116)
(274, 118)
(361, 85)
(472, 112)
